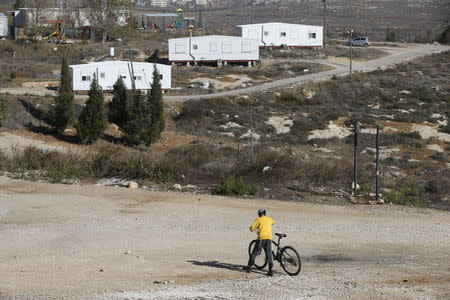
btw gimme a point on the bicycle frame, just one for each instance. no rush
(276, 256)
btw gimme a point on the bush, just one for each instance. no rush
(406, 196)
(232, 186)
(3, 108)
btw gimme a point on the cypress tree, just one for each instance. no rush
(61, 110)
(155, 99)
(136, 128)
(118, 107)
(92, 122)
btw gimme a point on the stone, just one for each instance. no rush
(177, 186)
(127, 252)
(132, 185)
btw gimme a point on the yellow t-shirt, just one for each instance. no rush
(264, 225)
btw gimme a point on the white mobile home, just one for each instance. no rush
(278, 34)
(108, 72)
(3, 25)
(213, 48)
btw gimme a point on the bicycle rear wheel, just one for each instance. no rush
(260, 260)
(290, 261)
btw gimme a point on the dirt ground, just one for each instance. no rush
(70, 241)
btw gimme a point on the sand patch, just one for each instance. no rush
(281, 124)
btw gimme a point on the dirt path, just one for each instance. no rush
(397, 55)
(102, 242)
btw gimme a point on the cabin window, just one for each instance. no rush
(266, 33)
(246, 47)
(161, 76)
(138, 78)
(195, 47)
(214, 47)
(312, 35)
(283, 34)
(85, 78)
(227, 47)
(102, 75)
(179, 48)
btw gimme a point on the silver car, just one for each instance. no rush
(362, 41)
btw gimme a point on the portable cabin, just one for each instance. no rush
(213, 48)
(3, 25)
(108, 72)
(282, 34)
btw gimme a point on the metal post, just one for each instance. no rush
(253, 15)
(355, 164)
(324, 21)
(378, 165)
(251, 134)
(351, 50)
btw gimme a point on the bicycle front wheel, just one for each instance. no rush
(260, 260)
(290, 261)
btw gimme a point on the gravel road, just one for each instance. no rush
(397, 55)
(72, 242)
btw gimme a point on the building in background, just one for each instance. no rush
(3, 26)
(213, 48)
(160, 3)
(282, 34)
(108, 72)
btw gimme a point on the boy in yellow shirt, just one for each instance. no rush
(264, 226)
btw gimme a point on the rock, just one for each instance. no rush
(101, 270)
(266, 169)
(177, 186)
(127, 252)
(132, 185)
(114, 126)
(353, 185)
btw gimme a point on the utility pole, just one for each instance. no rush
(350, 32)
(324, 21)
(355, 163)
(377, 165)
(253, 15)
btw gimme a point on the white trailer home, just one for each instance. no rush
(108, 72)
(279, 34)
(3, 25)
(213, 48)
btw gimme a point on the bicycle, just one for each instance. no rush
(287, 256)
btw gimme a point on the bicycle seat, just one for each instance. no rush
(280, 235)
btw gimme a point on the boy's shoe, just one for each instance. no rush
(247, 269)
(270, 273)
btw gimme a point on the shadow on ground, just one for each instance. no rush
(221, 265)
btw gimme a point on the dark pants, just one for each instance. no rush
(267, 246)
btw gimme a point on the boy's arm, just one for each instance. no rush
(253, 227)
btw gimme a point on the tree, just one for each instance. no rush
(118, 107)
(146, 116)
(19, 4)
(155, 99)
(137, 130)
(92, 122)
(61, 111)
(104, 15)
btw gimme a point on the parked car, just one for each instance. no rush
(362, 41)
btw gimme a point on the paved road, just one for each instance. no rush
(397, 55)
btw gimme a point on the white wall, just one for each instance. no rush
(213, 47)
(109, 71)
(3, 25)
(277, 34)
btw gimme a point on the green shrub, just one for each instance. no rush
(12, 75)
(232, 186)
(3, 108)
(406, 196)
